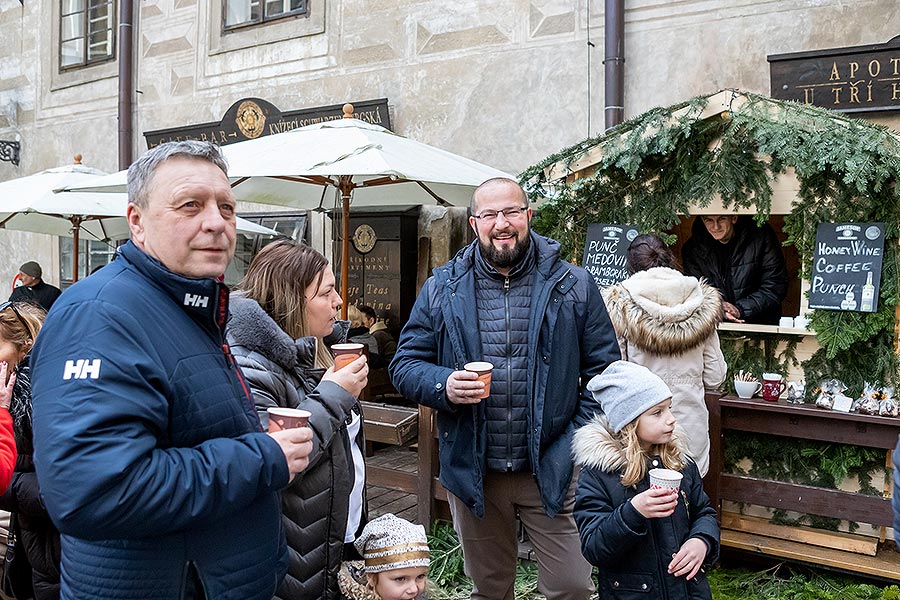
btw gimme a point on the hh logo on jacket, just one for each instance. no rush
(82, 369)
(196, 300)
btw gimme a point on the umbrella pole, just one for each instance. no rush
(345, 249)
(76, 224)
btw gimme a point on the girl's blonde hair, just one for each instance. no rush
(277, 279)
(636, 459)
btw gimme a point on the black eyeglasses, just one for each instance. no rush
(12, 305)
(510, 214)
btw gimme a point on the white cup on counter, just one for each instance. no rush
(801, 322)
(786, 322)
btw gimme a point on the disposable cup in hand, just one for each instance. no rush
(483, 370)
(287, 418)
(344, 354)
(665, 479)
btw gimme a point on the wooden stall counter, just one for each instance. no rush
(801, 422)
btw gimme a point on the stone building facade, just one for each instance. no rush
(505, 82)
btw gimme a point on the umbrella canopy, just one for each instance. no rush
(366, 164)
(31, 204)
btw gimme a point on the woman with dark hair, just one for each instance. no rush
(666, 321)
(284, 307)
(19, 326)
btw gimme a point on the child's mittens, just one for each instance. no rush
(689, 559)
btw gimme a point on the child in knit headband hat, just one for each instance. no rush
(642, 539)
(395, 562)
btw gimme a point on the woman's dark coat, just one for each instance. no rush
(23, 497)
(631, 552)
(315, 505)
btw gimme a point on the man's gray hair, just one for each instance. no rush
(141, 171)
(495, 181)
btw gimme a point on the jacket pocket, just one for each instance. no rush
(629, 585)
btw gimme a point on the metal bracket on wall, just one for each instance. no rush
(9, 151)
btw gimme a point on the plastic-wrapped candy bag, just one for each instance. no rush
(826, 394)
(796, 392)
(889, 407)
(868, 401)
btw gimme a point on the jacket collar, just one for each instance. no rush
(546, 257)
(595, 446)
(664, 312)
(204, 299)
(251, 327)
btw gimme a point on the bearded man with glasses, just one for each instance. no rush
(510, 300)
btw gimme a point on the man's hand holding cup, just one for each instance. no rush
(471, 385)
(290, 428)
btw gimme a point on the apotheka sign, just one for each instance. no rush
(846, 271)
(857, 79)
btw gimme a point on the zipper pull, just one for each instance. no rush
(229, 358)
(506, 284)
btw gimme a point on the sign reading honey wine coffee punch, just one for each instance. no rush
(847, 266)
(604, 252)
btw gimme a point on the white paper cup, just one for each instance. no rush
(344, 354)
(665, 479)
(786, 322)
(287, 418)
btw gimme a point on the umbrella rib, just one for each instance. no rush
(438, 199)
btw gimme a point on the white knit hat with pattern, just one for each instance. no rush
(390, 542)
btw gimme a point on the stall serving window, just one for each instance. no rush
(86, 32)
(240, 13)
(292, 225)
(92, 254)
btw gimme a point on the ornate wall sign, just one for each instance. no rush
(364, 239)
(9, 152)
(251, 119)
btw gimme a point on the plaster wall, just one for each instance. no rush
(505, 82)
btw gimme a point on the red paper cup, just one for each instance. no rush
(287, 418)
(665, 479)
(344, 354)
(483, 370)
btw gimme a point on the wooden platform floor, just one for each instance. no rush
(384, 500)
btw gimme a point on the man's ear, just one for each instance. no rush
(134, 215)
(473, 225)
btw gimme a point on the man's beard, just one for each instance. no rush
(504, 259)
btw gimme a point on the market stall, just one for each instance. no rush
(828, 186)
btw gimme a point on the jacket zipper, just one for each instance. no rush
(232, 364)
(509, 464)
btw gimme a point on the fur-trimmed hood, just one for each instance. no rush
(596, 446)
(663, 311)
(251, 327)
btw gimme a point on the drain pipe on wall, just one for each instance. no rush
(126, 82)
(614, 63)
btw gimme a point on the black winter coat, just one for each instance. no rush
(631, 552)
(39, 536)
(757, 281)
(315, 506)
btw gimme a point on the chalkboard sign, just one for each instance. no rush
(604, 252)
(847, 266)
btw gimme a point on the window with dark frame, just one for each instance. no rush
(86, 32)
(240, 13)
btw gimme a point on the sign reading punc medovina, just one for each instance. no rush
(604, 252)
(846, 271)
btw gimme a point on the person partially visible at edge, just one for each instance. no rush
(646, 541)
(895, 499)
(509, 299)
(743, 261)
(149, 453)
(667, 322)
(19, 327)
(33, 289)
(359, 334)
(387, 346)
(284, 307)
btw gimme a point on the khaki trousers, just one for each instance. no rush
(490, 545)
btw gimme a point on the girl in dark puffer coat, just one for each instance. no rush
(19, 326)
(285, 307)
(646, 541)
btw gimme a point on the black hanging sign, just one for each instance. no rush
(604, 252)
(846, 269)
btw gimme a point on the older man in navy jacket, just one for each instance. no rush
(510, 300)
(148, 449)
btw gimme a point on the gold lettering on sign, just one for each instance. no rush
(834, 72)
(837, 95)
(873, 72)
(895, 89)
(896, 63)
(854, 67)
(809, 95)
(854, 93)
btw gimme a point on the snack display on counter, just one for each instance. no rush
(888, 406)
(796, 392)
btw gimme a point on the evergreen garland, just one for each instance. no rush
(662, 163)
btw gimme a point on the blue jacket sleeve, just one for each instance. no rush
(599, 348)
(101, 451)
(607, 529)
(415, 369)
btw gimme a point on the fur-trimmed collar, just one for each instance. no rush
(664, 312)
(251, 327)
(596, 446)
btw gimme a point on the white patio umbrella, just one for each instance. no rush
(366, 164)
(30, 204)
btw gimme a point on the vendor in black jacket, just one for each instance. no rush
(743, 261)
